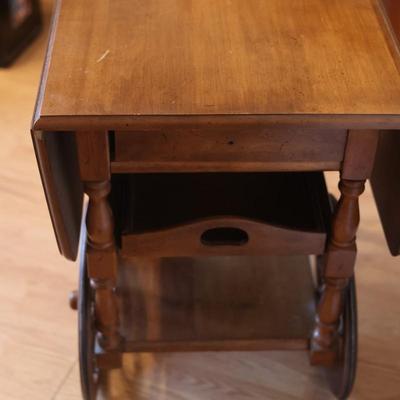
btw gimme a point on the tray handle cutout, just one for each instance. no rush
(224, 236)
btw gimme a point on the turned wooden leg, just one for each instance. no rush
(102, 263)
(337, 271)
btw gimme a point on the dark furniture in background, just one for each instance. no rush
(20, 22)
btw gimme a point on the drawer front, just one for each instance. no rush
(249, 149)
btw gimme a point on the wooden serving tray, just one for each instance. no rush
(178, 215)
(216, 303)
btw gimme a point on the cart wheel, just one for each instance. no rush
(88, 370)
(342, 375)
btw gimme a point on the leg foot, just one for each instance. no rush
(73, 300)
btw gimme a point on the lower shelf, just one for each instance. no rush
(216, 303)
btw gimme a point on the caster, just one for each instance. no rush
(341, 376)
(89, 373)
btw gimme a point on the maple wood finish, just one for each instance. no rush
(340, 260)
(223, 214)
(215, 303)
(258, 239)
(217, 58)
(102, 262)
(391, 11)
(101, 252)
(59, 169)
(212, 87)
(368, 67)
(341, 249)
(250, 148)
(385, 182)
(385, 178)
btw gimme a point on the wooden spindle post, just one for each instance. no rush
(339, 268)
(102, 262)
(101, 252)
(341, 249)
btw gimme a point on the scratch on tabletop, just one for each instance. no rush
(102, 57)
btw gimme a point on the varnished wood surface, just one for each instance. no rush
(385, 183)
(270, 223)
(338, 269)
(233, 149)
(260, 239)
(391, 10)
(38, 339)
(58, 164)
(216, 303)
(385, 178)
(213, 58)
(360, 154)
(201, 196)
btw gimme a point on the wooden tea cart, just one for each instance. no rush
(200, 132)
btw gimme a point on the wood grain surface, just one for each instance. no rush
(38, 354)
(240, 149)
(259, 205)
(391, 10)
(236, 303)
(213, 58)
